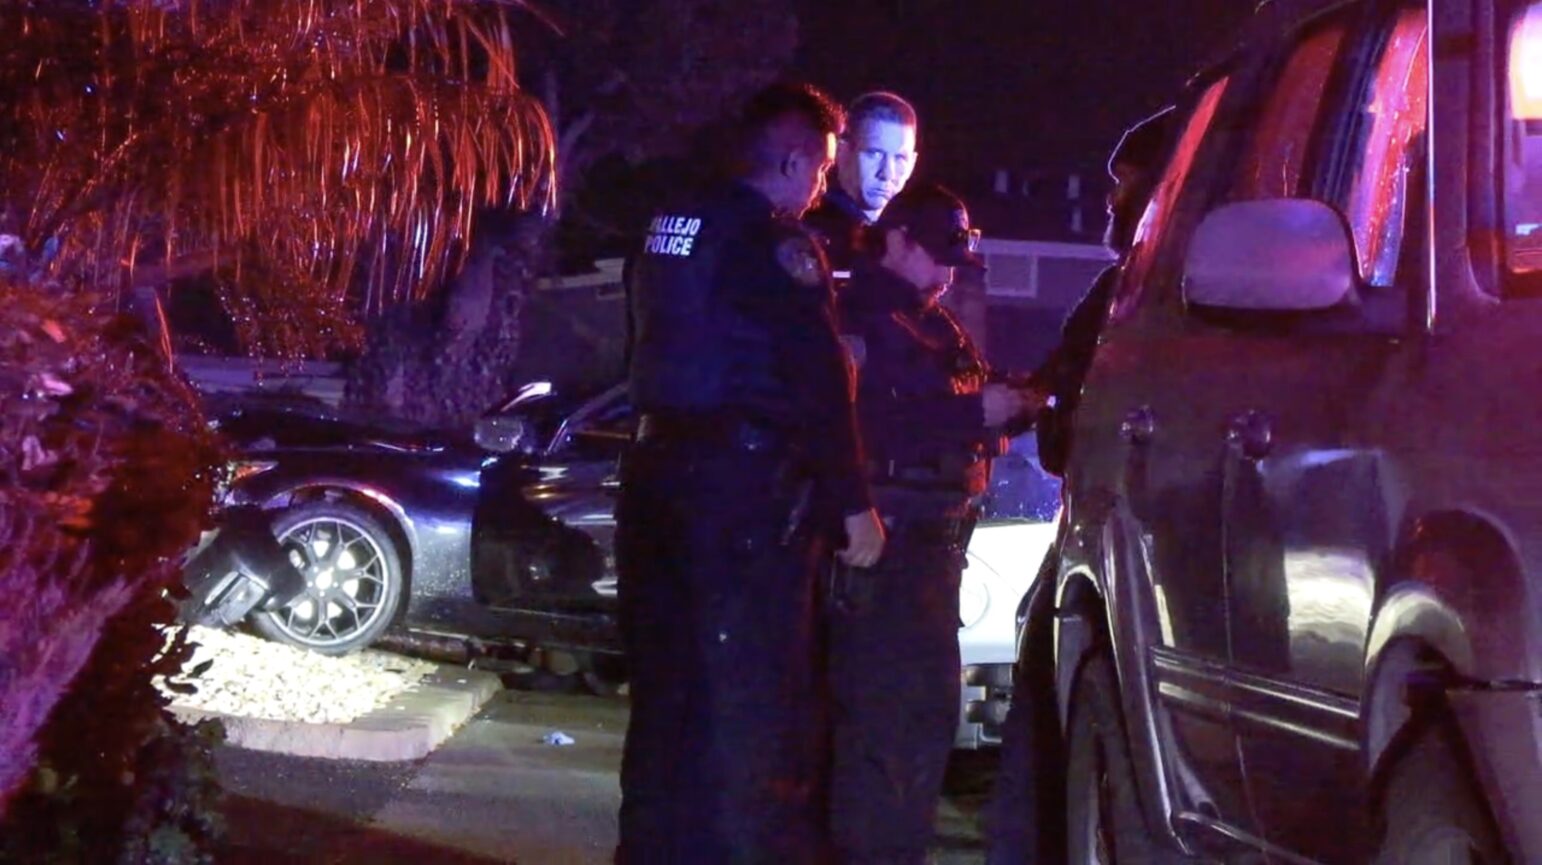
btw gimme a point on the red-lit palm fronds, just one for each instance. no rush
(316, 155)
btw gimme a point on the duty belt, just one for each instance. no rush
(946, 532)
(711, 430)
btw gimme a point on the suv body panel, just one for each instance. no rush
(1290, 532)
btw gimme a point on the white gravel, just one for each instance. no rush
(256, 678)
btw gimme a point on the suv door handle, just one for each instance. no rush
(1139, 426)
(1251, 434)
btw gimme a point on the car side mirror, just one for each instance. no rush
(1284, 255)
(503, 434)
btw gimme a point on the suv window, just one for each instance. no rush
(1523, 153)
(1156, 222)
(1275, 159)
(1385, 144)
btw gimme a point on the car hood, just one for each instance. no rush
(266, 428)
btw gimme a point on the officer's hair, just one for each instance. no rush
(880, 106)
(785, 113)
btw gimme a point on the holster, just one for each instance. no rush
(851, 589)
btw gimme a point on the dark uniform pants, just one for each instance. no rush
(724, 745)
(894, 678)
(1025, 817)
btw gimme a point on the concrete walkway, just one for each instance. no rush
(493, 793)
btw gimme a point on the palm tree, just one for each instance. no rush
(317, 159)
(320, 158)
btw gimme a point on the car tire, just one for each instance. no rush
(1432, 812)
(605, 675)
(378, 582)
(1104, 820)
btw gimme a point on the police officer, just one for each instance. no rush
(745, 402)
(931, 423)
(873, 161)
(1025, 811)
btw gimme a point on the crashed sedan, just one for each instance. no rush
(504, 536)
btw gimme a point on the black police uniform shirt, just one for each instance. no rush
(836, 221)
(918, 385)
(731, 311)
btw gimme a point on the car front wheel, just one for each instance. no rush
(353, 579)
(1104, 822)
(1432, 812)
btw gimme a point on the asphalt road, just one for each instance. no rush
(494, 793)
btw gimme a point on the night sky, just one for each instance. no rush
(1015, 84)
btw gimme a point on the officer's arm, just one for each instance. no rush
(797, 303)
(819, 366)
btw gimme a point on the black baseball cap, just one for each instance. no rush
(938, 220)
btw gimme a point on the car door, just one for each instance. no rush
(545, 523)
(578, 484)
(1309, 503)
(1144, 510)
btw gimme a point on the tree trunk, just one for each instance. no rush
(444, 362)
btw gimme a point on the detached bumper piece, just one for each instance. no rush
(238, 568)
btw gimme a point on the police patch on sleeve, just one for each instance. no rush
(798, 257)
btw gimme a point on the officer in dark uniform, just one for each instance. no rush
(1025, 813)
(931, 424)
(746, 405)
(873, 161)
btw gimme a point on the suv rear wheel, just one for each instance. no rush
(1432, 813)
(1104, 822)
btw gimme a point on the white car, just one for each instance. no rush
(1004, 555)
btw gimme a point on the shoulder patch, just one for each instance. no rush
(801, 260)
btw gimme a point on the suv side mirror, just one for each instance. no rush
(502, 434)
(1283, 255)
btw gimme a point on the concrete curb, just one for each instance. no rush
(408, 727)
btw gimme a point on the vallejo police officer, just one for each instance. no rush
(873, 161)
(931, 423)
(746, 405)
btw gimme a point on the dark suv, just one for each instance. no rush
(1299, 611)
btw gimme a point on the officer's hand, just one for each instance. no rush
(864, 539)
(1002, 403)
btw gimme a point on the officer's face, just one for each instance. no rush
(805, 176)
(1121, 221)
(875, 161)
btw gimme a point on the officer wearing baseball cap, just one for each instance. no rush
(938, 222)
(931, 424)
